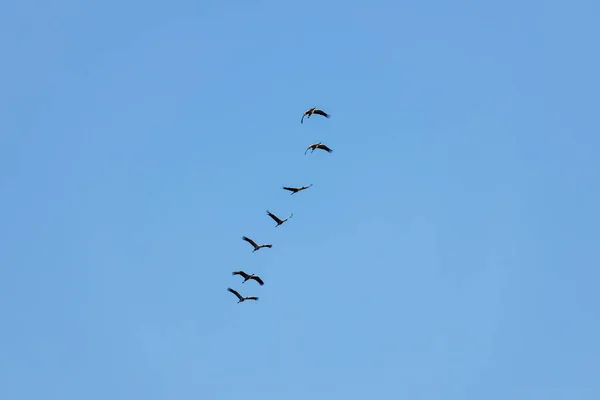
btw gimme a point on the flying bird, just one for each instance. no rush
(239, 296)
(312, 111)
(248, 276)
(319, 145)
(276, 219)
(296, 189)
(253, 243)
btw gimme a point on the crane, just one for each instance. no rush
(296, 189)
(276, 219)
(248, 276)
(312, 111)
(256, 246)
(319, 145)
(240, 297)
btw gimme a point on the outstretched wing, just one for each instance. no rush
(242, 273)
(257, 279)
(270, 214)
(252, 242)
(321, 112)
(267, 245)
(252, 298)
(327, 149)
(306, 187)
(291, 189)
(239, 296)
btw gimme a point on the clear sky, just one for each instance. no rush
(448, 248)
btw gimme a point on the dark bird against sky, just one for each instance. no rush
(248, 276)
(256, 246)
(319, 145)
(277, 219)
(295, 190)
(240, 297)
(312, 111)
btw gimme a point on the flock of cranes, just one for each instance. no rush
(308, 113)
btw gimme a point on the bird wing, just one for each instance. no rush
(242, 273)
(257, 279)
(321, 112)
(327, 149)
(267, 245)
(305, 187)
(239, 296)
(252, 242)
(270, 214)
(291, 189)
(252, 298)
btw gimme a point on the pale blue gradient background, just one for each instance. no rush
(447, 250)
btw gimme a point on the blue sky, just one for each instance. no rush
(448, 248)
